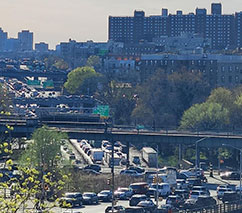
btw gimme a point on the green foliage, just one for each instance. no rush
(205, 116)
(82, 80)
(94, 61)
(221, 96)
(56, 62)
(45, 150)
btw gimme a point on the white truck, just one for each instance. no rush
(149, 155)
(97, 155)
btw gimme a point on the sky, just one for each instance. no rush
(54, 21)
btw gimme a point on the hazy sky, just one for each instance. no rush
(53, 21)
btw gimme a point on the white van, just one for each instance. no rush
(164, 189)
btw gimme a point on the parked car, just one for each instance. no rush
(105, 195)
(123, 193)
(175, 200)
(72, 198)
(135, 199)
(90, 198)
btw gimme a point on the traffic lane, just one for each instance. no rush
(91, 208)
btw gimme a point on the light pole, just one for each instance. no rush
(240, 166)
(197, 142)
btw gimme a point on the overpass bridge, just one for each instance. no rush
(99, 131)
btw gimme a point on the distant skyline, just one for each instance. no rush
(54, 21)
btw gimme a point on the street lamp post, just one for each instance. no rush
(240, 166)
(197, 142)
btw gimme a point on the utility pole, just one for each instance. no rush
(157, 193)
(112, 171)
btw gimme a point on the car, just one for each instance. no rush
(136, 160)
(163, 189)
(199, 202)
(119, 209)
(123, 193)
(181, 192)
(135, 209)
(71, 198)
(131, 173)
(137, 168)
(165, 208)
(201, 188)
(95, 167)
(192, 172)
(139, 188)
(196, 194)
(105, 195)
(90, 198)
(181, 184)
(230, 175)
(148, 205)
(193, 182)
(230, 196)
(135, 199)
(221, 191)
(175, 200)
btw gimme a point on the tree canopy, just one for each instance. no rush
(82, 80)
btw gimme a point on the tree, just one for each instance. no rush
(4, 99)
(205, 116)
(56, 62)
(94, 61)
(188, 88)
(82, 80)
(45, 149)
(221, 96)
(121, 99)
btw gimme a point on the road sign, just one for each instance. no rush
(102, 110)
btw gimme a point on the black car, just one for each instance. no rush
(135, 209)
(137, 168)
(90, 198)
(182, 193)
(230, 175)
(105, 195)
(175, 200)
(230, 196)
(193, 182)
(95, 167)
(71, 199)
(135, 199)
(119, 209)
(201, 202)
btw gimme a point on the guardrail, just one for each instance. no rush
(232, 207)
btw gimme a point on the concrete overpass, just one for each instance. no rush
(100, 132)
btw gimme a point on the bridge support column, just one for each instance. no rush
(180, 156)
(127, 152)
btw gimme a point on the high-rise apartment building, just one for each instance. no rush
(223, 30)
(25, 40)
(3, 39)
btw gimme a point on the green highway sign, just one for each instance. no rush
(102, 110)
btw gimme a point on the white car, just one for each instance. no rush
(164, 189)
(196, 194)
